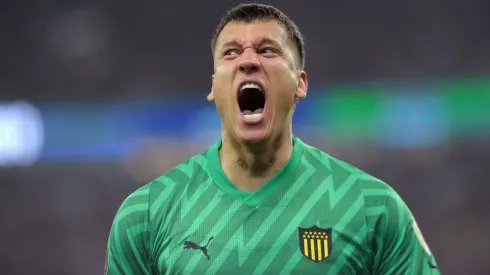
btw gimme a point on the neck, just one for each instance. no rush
(249, 166)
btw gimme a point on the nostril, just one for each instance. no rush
(247, 68)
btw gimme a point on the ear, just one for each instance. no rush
(302, 85)
(211, 94)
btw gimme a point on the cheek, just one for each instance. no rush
(223, 72)
(283, 74)
(221, 93)
(287, 85)
(223, 83)
(222, 97)
(221, 108)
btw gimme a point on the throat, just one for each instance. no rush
(252, 173)
(249, 170)
(256, 168)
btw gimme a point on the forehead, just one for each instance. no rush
(252, 32)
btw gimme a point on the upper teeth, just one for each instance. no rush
(250, 86)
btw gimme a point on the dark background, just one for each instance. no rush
(113, 83)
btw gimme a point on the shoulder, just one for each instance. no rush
(181, 175)
(340, 170)
(336, 167)
(166, 185)
(134, 206)
(376, 192)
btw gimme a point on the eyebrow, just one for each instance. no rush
(236, 43)
(232, 43)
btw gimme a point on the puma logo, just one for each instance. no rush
(191, 245)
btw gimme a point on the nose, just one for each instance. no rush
(249, 62)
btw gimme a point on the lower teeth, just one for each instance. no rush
(252, 116)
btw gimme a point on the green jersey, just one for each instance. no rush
(318, 215)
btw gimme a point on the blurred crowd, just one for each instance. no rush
(80, 50)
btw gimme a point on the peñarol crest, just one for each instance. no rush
(315, 243)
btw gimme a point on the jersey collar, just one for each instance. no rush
(286, 174)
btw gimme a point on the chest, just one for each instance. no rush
(270, 239)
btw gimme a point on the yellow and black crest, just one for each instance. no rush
(315, 243)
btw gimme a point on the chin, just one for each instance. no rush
(252, 136)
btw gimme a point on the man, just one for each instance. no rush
(261, 201)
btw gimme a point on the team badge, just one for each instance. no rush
(315, 243)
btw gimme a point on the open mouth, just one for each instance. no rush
(251, 100)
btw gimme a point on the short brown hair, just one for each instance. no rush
(258, 12)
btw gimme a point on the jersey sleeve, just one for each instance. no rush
(128, 247)
(400, 246)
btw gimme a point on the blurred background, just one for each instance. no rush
(99, 97)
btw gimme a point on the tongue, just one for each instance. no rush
(259, 111)
(248, 112)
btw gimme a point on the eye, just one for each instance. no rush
(268, 51)
(231, 52)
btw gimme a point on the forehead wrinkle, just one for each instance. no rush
(285, 41)
(280, 30)
(264, 39)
